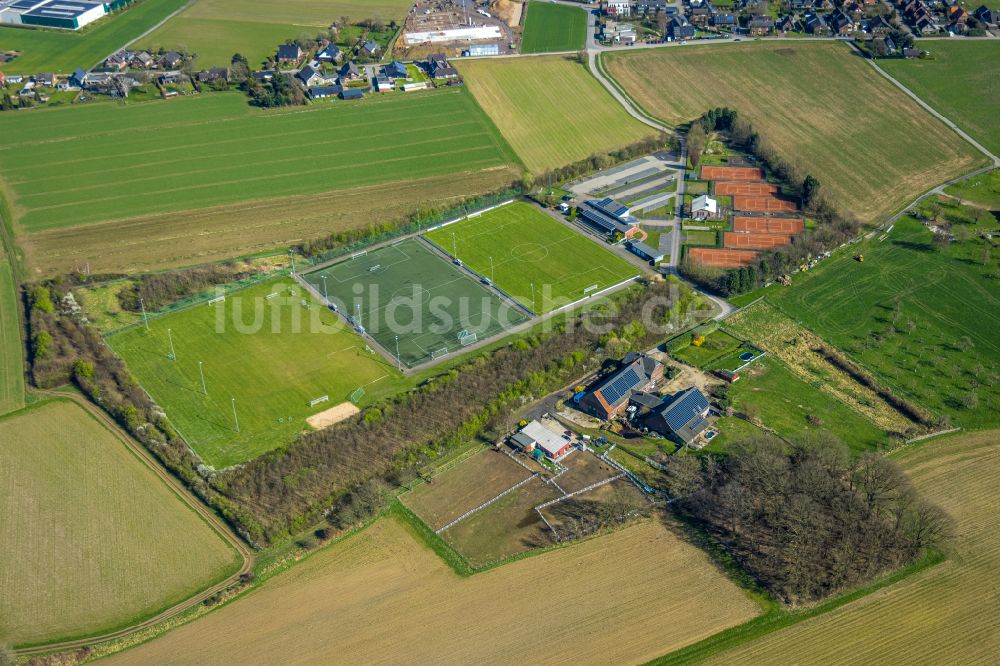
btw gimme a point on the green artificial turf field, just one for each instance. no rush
(408, 290)
(551, 27)
(92, 538)
(273, 355)
(197, 152)
(517, 246)
(958, 80)
(62, 51)
(922, 316)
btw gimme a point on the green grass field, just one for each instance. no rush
(11, 352)
(550, 109)
(63, 51)
(409, 291)
(272, 355)
(92, 538)
(716, 344)
(923, 318)
(520, 246)
(983, 190)
(550, 27)
(794, 408)
(200, 152)
(822, 108)
(959, 81)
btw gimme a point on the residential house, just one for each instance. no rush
(649, 7)
(143, 60)
(623, 33)
(395, 70)
(78, 78)
(214, 75)
(264, 75)
(760, 25)
(171, 60)
(349, 72)
(289, 54)
(536, 437)
(117, 61)
(701, 15)
(986, 15)
(611, 395)
(370, 49)
(785, 24)
(46, 80)
(619, 8)
(880, 26)
(727, 21)
(682, 417)
(840, 23)
(704, 208)
(680, 28)
(321, 92)
(173, 78)
(815, 24)
(439, 67)
(330, 54)
(384, 84)
(310, 76)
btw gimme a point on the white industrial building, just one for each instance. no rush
(65, 14)
(462, 34)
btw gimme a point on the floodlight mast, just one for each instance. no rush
(325, 293)
(399, 364)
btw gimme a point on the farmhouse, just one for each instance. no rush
(535, 435)
(609, 217)
(289, 54)
(681, 417)
(704, 207)
(637, 373)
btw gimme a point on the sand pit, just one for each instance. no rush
(335, 414)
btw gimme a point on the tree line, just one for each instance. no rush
(805, 519)
(833, 226)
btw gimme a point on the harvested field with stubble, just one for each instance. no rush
(358, 600)
(92, 538)
(192, 237)
(945, 614)
(464, 487)
(550, 109)
(820, 105)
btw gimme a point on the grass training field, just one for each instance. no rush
(528, 247)
(408, 290)
(358, 600)
(93, 539)
(62, 51)
(958, 81)
(551, 27)
(948, 358)
(464, 487)
(944, 614)
(820, 105)
(110, 163)
(273, 355)
(550, 109)
(11, 349)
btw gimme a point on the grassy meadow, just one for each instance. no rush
(550, 109)
(216, 150)
(93, 539)
(519, 246)
(216, 29)
(922, 317)
(959, 81)
(272, 355)
(11, 349)
(944, 614)
(820, 105)
(982, 190)
(358, 599)
(62, 51)
(551, 27)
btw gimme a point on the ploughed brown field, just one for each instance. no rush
(381, 597)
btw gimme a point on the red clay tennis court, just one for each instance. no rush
(764, 204)
(746, 188)
(752, 241)
(722, 258)
(731, 173)
(769, 225)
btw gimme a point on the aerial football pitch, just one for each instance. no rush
(237, 377)
(539, 262)
(414, 303)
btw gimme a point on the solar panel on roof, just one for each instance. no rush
(683, 410)
(620, 386)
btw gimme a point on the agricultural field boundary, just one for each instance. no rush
(206, 514)
(486, 503)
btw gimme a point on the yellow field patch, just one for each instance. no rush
(550, 109)
(380, 597)
(335, 414)
(948, 614)
(821, 106)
